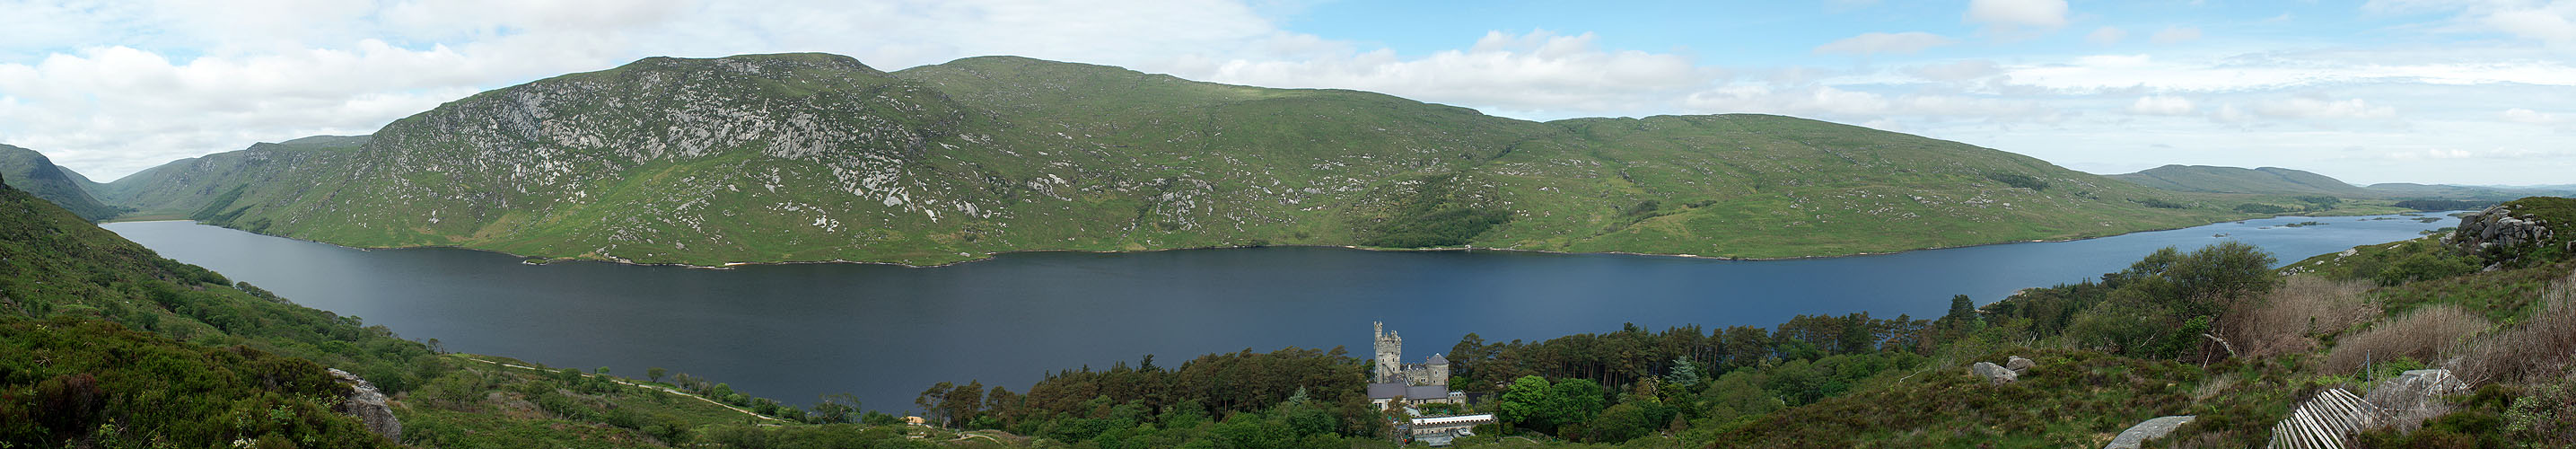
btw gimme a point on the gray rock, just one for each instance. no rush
(2019, 365)
(2148, 430)
(2486, 232)
(1996, 374)
(2416, 395)
(368, 404)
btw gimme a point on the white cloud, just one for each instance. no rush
(2175, 34)
(2548, 21)
(1957, 71)
(2106, 35)
(2317, 108)
(2251, 72)
(2161, 105)
(1866, 44)
(1832, 103)
(2017, 17)
(2531, 117)
(2437, 153)
(2549, 24)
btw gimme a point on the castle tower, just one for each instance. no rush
(1437, 371)
(1390, 355)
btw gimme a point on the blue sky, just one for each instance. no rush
(2467, 92)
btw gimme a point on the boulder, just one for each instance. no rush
(2148, 430)
(1996, 374)
(368, 404)
(2019, 365)
(2416, 395)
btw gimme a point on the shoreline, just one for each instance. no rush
(536, 260)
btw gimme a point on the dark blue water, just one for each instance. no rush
(884, 333)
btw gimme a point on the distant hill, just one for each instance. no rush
(814, 157)
(2278, 181)
(2469, 193)
(30, 171)
(2265, 180)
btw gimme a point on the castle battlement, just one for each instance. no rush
(1391, 368)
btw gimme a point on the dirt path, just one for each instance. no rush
(620, 381)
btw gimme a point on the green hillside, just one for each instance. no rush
(2276, 190)
(105, 344)
(812, 157)
(30, 171)
(2265, 180)
(2467, 193)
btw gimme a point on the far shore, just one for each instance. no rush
(536, 260)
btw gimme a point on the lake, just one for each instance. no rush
(884, 333)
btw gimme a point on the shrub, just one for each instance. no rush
(2425, 334)
(2439, 205)
(2259, 208)
(2425, 265)
(2160, 203)
(2540, 349)
(2290, 319)
(2019, 180)
(2545, 417)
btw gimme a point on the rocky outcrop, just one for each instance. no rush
(2150, 429)
(1993, 373)
(369, 405)
(2504, 233)
(2013, 368)
(2415, 396)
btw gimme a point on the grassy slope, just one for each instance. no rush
(63, 277)
(2270, 180)
(1771, 186)
(2079, 397)
(30, 171)
(808, 157)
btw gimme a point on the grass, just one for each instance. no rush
(2425, 333)
(481, 403)
(2071, 398)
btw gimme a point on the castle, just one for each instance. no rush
(1417, 383)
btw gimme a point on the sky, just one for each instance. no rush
(2476, 92)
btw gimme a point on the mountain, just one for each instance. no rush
(2265, 180)
(177, 189)
(32, 172)
(814, 157)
